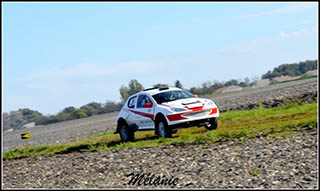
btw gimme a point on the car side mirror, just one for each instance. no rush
(147, 105)
(196, 95)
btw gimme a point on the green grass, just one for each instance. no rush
(232, 124)
(256, 172)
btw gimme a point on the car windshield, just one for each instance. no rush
(172, 96)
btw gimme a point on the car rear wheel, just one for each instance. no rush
(213, 124)
(126, 134)
(163, 129)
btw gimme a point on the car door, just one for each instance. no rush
(131, 105)
(144, 112)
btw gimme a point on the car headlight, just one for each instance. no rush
(178, 109)
(210, 103)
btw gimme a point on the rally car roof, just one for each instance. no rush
(156, 90)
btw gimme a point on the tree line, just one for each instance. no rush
(295, 69)
(210, 87)
(16, 119)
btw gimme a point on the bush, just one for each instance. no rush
(78, 113)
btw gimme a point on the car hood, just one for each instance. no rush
(190, 103)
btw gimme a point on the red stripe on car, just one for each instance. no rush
(196, 108)
(199, 108)
(164, 105)
(176, 117)
(143, 114)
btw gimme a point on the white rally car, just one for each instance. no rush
(165, 110)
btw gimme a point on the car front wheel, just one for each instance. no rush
(213, 124)
(126, 134)
(163, 129)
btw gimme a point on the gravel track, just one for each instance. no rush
(68, 131)
(264, 162)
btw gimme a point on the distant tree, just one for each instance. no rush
(110, 106)
(245, 82)
(159, 85)
(194, 90)
(231, 82)
(50, 119)
(124, 92)
(242, 84)
(78, 113)
(178, 84)
(267, 75)
(30, 115)
(6, 121)
(253, 80)
(216, 85)
(308, 65)
(134, 87)
(291, 69)
(16, 120)
(69, 109)
(63, 116)
(91, 108)
(44, 120)
(206, 85)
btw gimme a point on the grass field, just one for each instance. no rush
(233, 124)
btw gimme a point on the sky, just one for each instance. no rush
(56, 55)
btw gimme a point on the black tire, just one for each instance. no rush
(162, 128)
(213, 124)
(125, 133)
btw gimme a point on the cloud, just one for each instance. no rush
(87, 75)
(299, 33)
(247, 47)
(85, 70)
(304, 22)
(254, 46)
(283, 10)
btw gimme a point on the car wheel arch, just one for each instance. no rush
(160, 116)
(119, 123)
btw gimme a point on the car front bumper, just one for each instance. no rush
(200, 122)
(184, 119)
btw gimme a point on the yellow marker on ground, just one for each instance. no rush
(25, 136)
